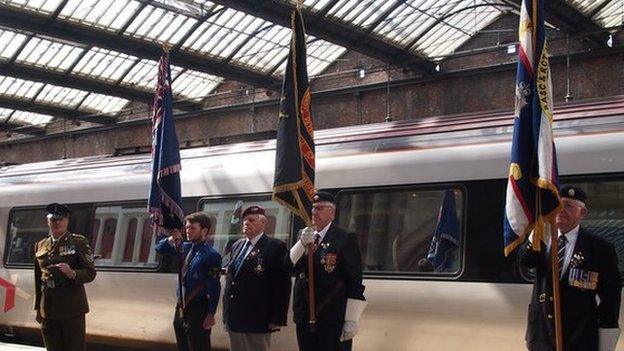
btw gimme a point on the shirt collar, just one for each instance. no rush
(571, 235)
(255, 239)
(324, 231)
(60, 237)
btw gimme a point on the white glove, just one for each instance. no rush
(307, 236)
(349, 329)
(354, 311)
(608, 338)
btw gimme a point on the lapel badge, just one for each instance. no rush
(329, 262)
(577, 259)
(259, 269)
(325, 246)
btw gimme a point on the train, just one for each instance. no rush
(389, 180)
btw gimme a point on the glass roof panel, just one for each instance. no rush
(105, 64)
(44, 6)
(266, 49)
(321, 54)
(195, 85)
(160, 25)
(104, 103)
(49, 54)
(456, 29)
(61, 96)
(5, 113)
(221, 34)
(107, 14)
(611, 15)
(30, 118)
(316, 5)
(23, 89)
(361, 12)
(144, 74)
(10, 42)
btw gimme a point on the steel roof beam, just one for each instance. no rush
(31, 21)
(337, 32)
(567, 18)
(54, 110)
(28, 72)
(21, 129)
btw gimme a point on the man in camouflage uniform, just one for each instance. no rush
(63, 263)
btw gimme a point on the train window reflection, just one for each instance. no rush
(122, 236)
(227, 222)
(406, 231)
(27, 226)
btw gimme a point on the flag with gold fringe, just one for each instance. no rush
(532, 187)
(165, 198)
(293, 185)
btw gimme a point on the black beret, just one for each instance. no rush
(572, 192)
(57, 211)
(323, 196)
(254, 209)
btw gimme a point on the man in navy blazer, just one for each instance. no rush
(257, 290)
(339, 292)
(590, 284)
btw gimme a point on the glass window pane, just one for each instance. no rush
(606, 213)
(28, 226)
(116, 241)
(404, 230)
(227, 224)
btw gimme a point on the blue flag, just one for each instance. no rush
(445, 241)
(165, 196)
(533, 183)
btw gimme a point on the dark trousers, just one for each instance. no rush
(67, 334)
(326, 338)
(189, 330)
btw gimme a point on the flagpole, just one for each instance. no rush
(554, 259)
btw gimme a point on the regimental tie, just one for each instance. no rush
(561, 243)
(241, 257)
(317, 240)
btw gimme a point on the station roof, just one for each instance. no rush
(88, 60)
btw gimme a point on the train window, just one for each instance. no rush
(415, 231)
(227, 224)
(606, 213)
(122, 236)
(27, 226)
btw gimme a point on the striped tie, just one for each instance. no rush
(561, 243)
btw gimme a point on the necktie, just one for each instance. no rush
(561, 243)
(317, 240)
(241, 257)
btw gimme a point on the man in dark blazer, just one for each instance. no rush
(588, 268)
(257, 288)
(63, 264)
(339, 293)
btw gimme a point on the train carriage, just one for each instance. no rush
(389, 179)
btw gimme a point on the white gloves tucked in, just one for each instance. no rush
(608, 338)
(354, 311)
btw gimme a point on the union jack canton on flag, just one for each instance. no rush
(532, 187)
(165, 196)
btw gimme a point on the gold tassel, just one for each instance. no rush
(538, 233)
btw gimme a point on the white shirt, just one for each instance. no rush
(253, 241)
(322, 232)
(571, 237)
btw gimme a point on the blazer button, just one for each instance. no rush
(232, 283)
(550, 316)
(232, 296)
